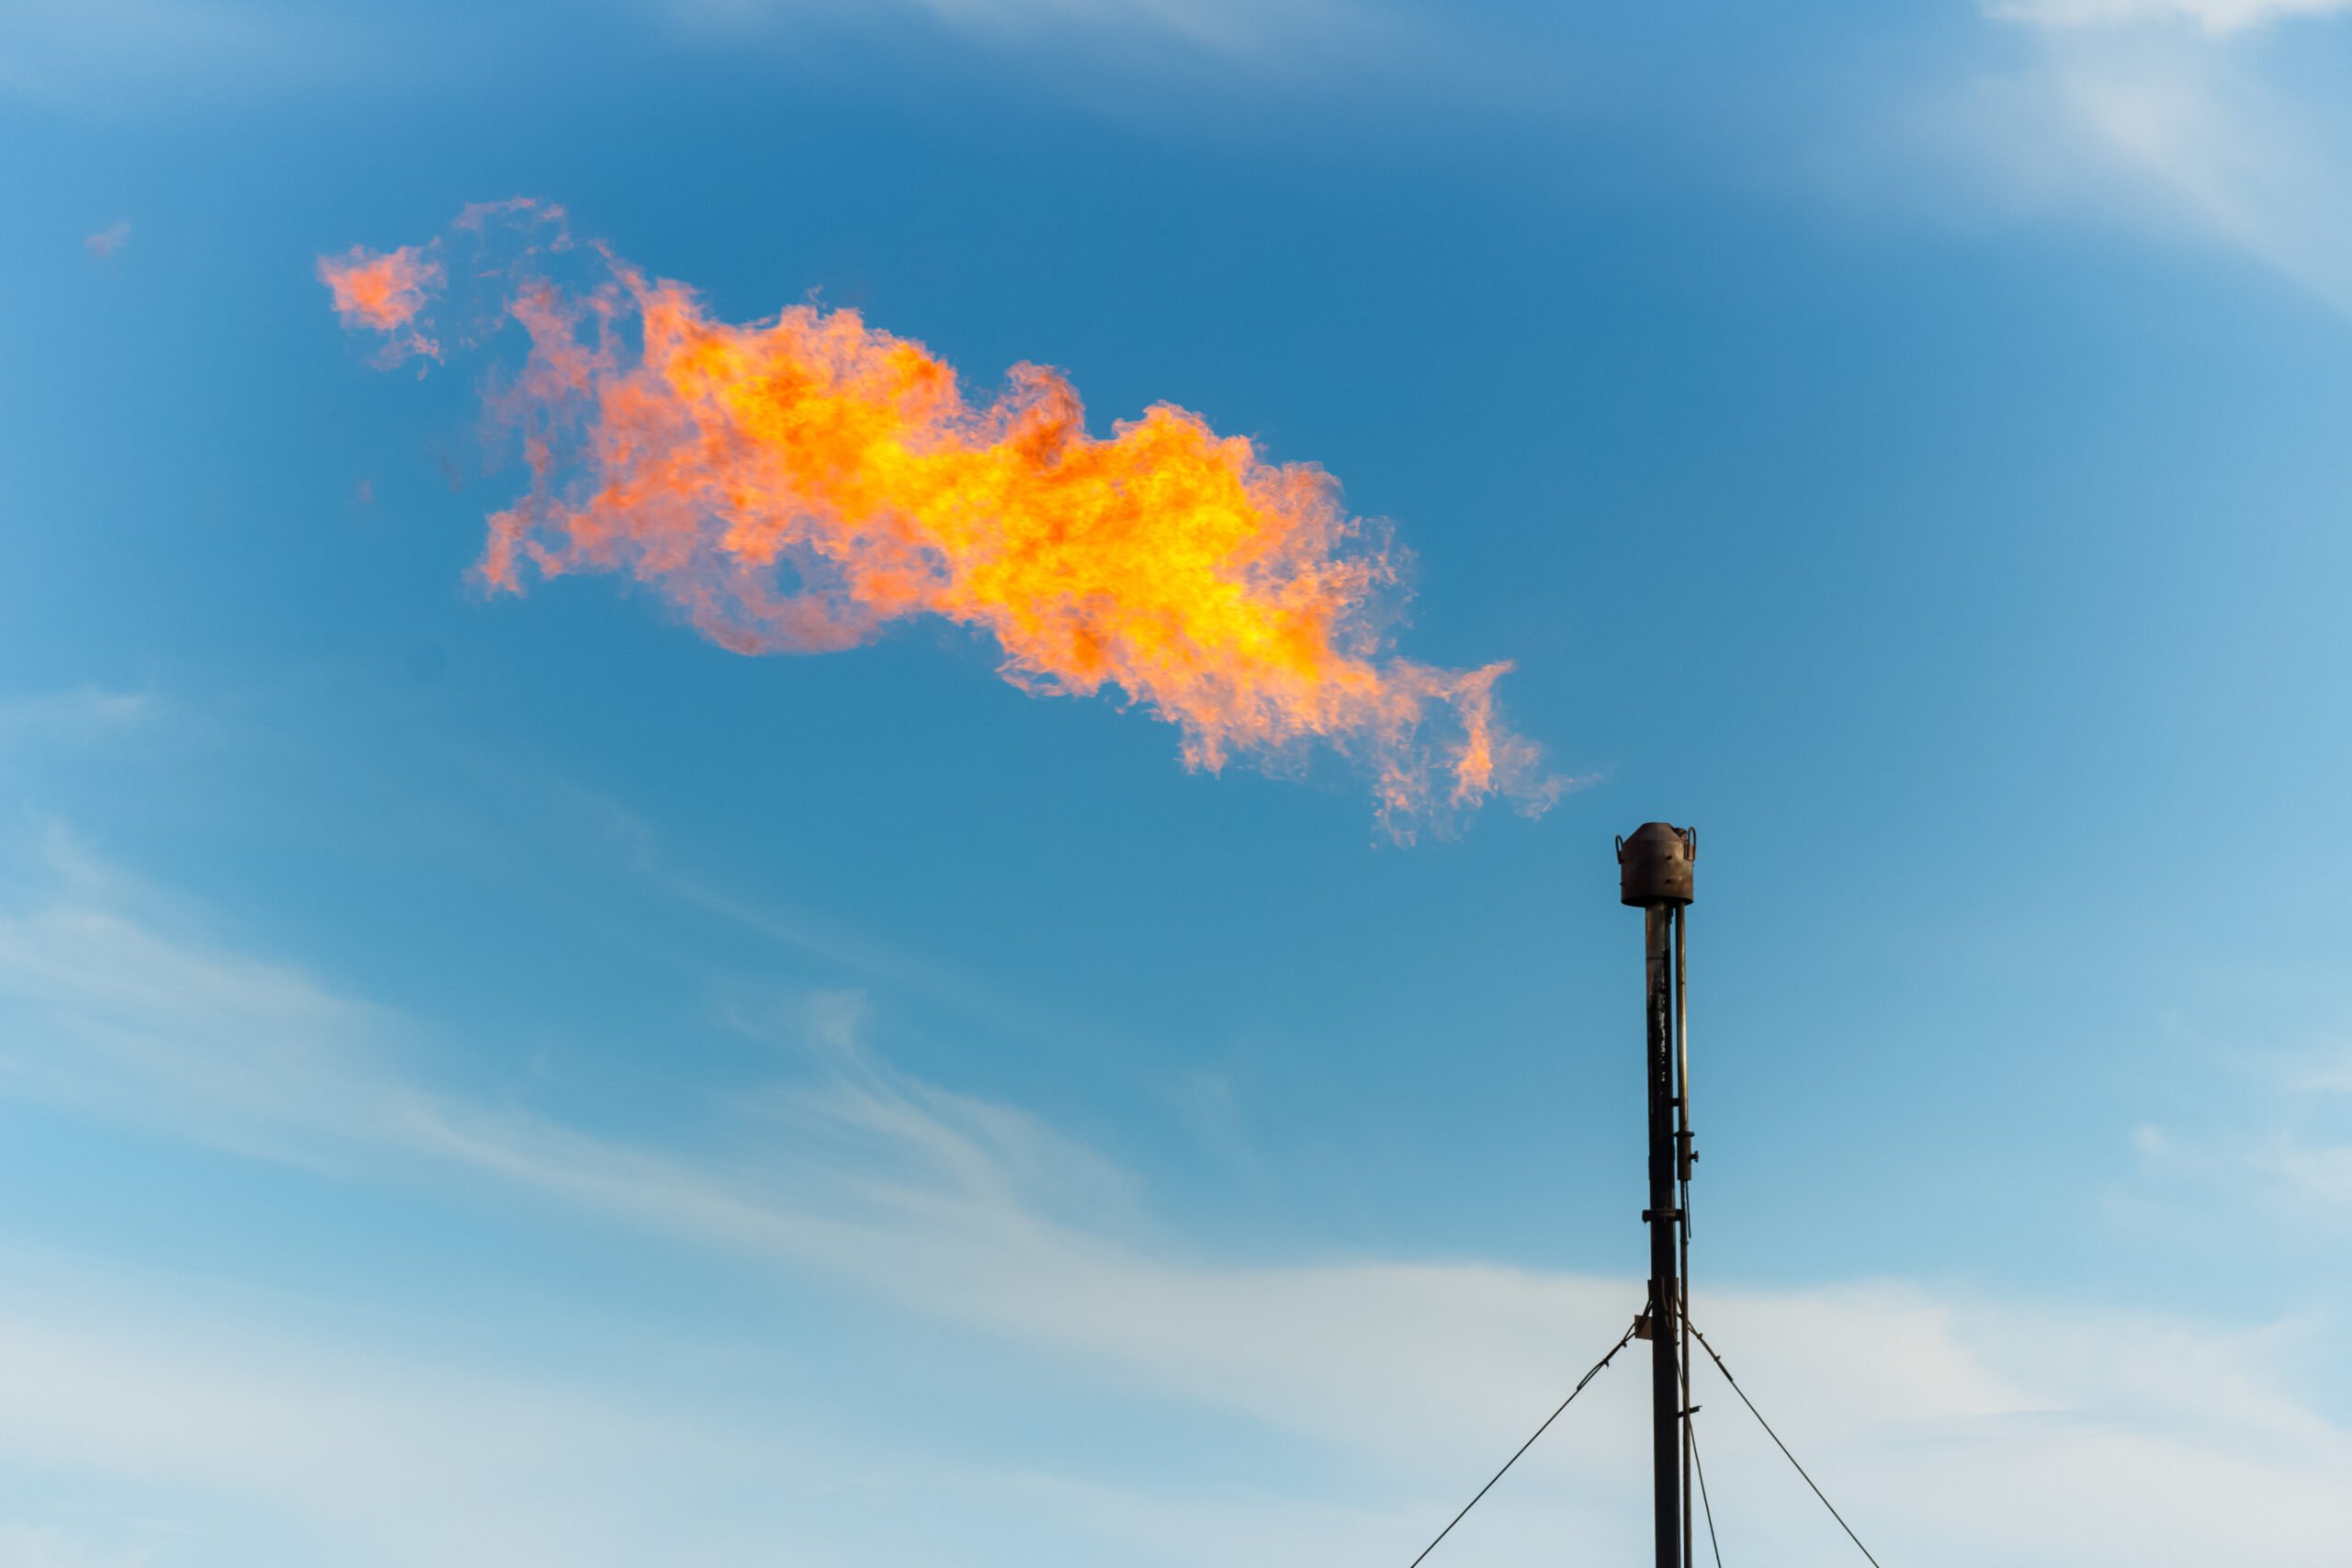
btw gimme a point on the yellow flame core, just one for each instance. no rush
(799, 484)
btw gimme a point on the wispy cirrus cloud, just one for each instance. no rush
(1978, 1429)
(2325, 1072)
(1157, 59)
(2171, 114)
(2311, 1173)
(2274, 1144)
(2210, 15)
(74, 708)
(45, 1546)
(76, 716)
(390, 1459)
(1234, 29)
(136, 54)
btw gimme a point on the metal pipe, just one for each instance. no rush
(1655, 875)
(1682, 1034)
(1665, 1219)
(1684, 1155)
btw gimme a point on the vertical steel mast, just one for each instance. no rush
(1654, 876)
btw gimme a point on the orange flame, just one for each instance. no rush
(798, 484)
(385, 292)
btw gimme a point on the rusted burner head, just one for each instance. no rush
(1654, 865)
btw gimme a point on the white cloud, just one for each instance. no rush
(394, 1462)
(2278, 1153)
(2311, 1173)
(1231, 28)
(2212, 15)
(33, 1546)
(2173, 130)
(2331, 1075)
(80, 713)
(1964, 1430)
(133, 52)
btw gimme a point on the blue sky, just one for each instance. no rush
(508, 1080)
